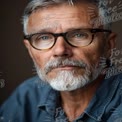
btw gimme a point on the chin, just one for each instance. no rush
(68, 81)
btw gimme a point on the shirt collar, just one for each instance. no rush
(49, 98)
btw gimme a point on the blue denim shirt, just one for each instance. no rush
(35, 101)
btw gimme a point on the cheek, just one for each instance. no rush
(90, 55)
(40, 58)
(95, 51)
(93, 56)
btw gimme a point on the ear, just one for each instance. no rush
(111, 43)
(28, 46)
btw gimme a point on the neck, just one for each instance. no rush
(75, 102)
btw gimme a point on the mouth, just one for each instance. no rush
(64, 68)
(67, 67)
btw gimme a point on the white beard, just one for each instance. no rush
(68, 80)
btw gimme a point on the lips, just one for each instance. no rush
(66, 67)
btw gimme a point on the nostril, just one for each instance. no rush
(62, 53)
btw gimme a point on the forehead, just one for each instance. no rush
(60, 17)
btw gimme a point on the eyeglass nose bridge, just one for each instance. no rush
(64, 37)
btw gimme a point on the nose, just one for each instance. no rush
(62, 48)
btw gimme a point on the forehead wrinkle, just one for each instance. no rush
(62, 15)
(68, 19)
(57, 19)
(57, 27)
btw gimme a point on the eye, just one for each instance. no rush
(80, 35)
(44, 37)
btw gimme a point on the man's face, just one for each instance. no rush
(63, 66)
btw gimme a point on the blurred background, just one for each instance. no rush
(15, 63)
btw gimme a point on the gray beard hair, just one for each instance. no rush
(66, 80)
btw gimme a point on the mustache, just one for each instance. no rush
(61, 62)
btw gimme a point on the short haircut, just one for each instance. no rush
(34, 5)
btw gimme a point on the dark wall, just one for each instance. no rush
(15, 63)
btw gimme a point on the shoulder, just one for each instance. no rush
(115, 82)
(118, 79)
(114, 79)
(27, 95)
(116, 115)
(116, 101)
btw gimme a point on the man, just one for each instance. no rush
(67, 48)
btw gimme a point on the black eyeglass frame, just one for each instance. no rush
(56, 35)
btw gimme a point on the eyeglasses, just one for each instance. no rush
(76, 38)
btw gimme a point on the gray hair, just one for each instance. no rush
(34, 5)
